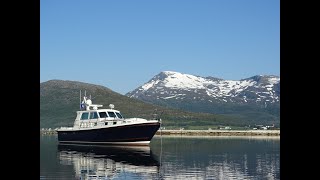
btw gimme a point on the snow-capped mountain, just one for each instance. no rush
(255, 99)
(169, 85)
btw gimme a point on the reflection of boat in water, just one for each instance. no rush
(92, 161)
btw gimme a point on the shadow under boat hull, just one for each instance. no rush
(135, 134)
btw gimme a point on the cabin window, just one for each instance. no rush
(93, 115)
(103, 114)
(111, 114)
(84, 116)
(114, 122)
(119, 115)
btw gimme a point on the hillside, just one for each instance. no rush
(255, 99)
(59, 101)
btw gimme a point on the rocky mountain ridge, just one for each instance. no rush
(174, 85)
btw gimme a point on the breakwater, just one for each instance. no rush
(48, 132)
(220, 132)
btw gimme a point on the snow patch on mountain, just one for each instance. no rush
(147, 86)
(183, 81)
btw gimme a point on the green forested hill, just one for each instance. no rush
(59, 101)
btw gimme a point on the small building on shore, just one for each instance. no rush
(224, 127)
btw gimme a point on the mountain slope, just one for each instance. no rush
(256, 98)
(59, 101)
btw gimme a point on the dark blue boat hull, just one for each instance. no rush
(120, 134)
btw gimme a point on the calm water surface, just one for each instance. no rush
(165, 158)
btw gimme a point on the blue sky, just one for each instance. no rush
(121, 44)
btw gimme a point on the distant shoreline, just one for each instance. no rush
(220, 132)
(203, 132)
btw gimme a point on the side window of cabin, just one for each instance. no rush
(119, 115)
(111, 114)
(84, 116)
(93, 115)
(103, 114)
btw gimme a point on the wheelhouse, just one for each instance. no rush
(98, 118)
(103, 114)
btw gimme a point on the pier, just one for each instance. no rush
(48, 132)
(220, 132)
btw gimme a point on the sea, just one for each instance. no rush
(167, 157)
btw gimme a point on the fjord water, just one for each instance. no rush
(166, 158)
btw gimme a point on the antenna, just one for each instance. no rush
(80, 100)
(154, 114)
(160, 115)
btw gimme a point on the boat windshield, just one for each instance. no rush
(112, 114)
(103, 114)
(119, 115)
